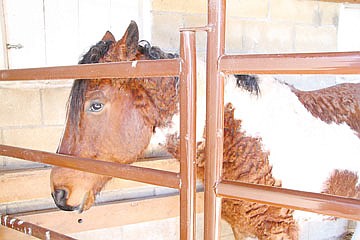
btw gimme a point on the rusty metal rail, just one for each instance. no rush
(31, 229)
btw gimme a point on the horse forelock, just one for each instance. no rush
(76, 101)
(96, 52)
(77, 94)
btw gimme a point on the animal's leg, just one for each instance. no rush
(356, 235)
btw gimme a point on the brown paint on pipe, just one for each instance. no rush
(293, 63)
(188, 136)
(125, 171)
(298, 200)
(141, 68)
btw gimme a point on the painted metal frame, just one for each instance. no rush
(185, 181)
(219, 64)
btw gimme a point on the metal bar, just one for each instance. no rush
(294, 63)
(31, 229)
(214, 117)
(188, 136)
(299, 200)
(141, 68)
(125, 171)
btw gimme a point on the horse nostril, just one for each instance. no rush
(59, 195)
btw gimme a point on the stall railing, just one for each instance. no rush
(219, 64)
(185, 180)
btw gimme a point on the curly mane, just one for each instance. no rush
(153, 52)
(156, 106)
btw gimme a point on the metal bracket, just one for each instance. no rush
(13, 46)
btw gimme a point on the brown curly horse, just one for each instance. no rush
(274, 135)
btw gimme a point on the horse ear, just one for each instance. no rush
(108, 36)
(128, 44)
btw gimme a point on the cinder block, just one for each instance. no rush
(294, 11)
(54, 105)
(329, 13)
(248, 9)
(234, 35)
(166, 35)
(43, 138)
(20, 107)
(185, 6)
(265, 37)
(315, 39)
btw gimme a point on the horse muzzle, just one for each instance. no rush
(60, 197)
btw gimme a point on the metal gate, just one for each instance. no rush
(219, 64)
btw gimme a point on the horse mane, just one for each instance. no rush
(249, 83)
(154, 52)
(96, 53)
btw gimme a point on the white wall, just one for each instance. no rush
(57, 32)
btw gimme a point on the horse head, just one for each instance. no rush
(111, 119)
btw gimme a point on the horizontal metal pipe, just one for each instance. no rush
(124, 171)
(31, 229)
(143, 68)
(298, 200)
(294, 63)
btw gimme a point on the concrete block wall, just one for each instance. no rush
(33, 113)
(32, 116)
(257, 26)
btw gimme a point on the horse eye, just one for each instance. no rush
(96, 107)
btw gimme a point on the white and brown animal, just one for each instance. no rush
(274, 135)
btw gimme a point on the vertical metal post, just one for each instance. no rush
(214, 117)
(188, 135)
